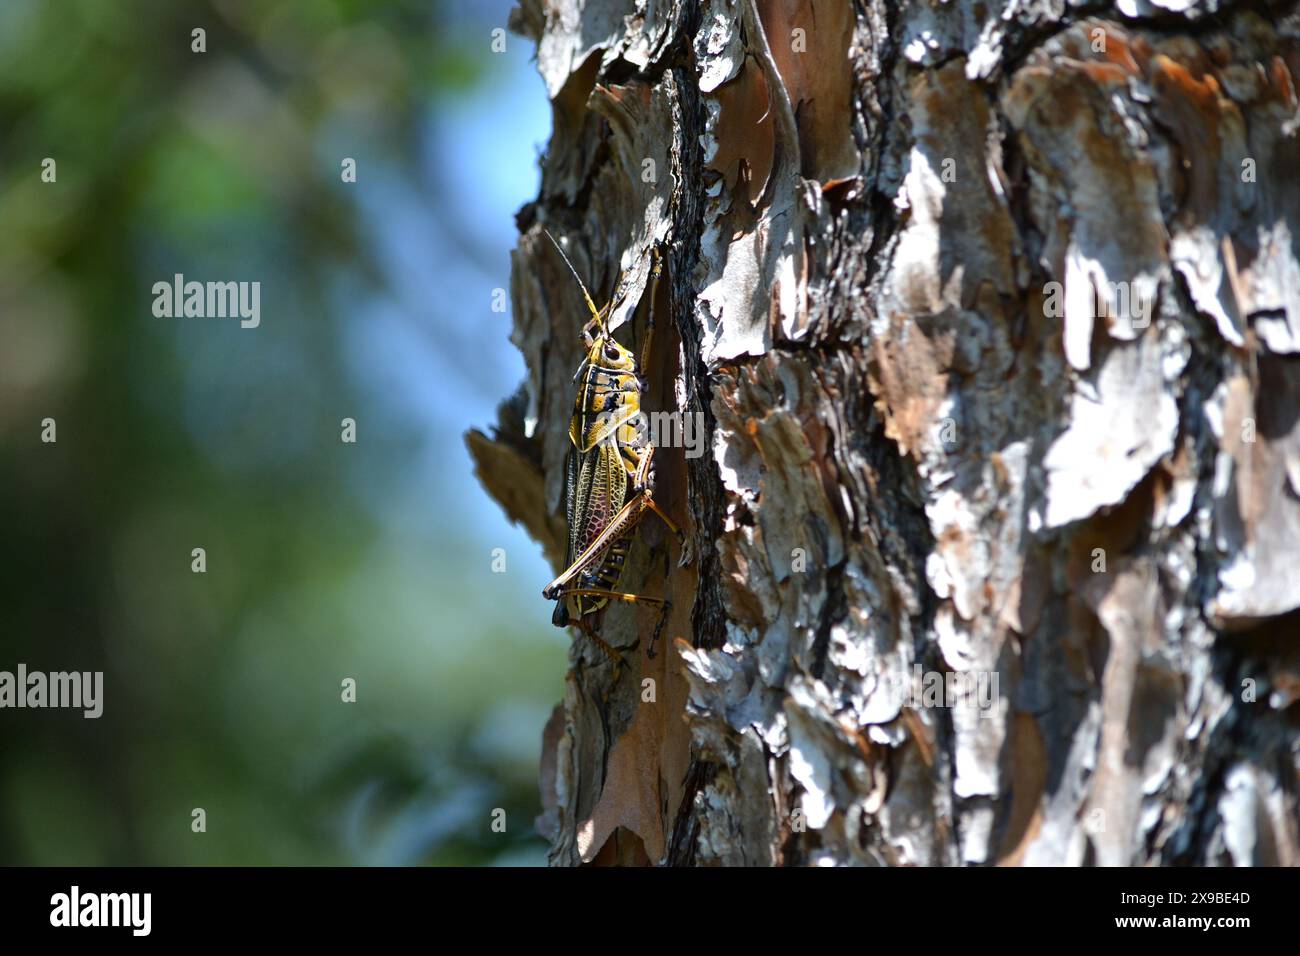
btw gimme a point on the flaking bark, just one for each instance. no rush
(916, 462)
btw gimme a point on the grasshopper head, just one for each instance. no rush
(607, 352)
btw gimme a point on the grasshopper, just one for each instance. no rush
(609, 475)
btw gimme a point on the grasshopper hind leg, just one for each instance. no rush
(561, 618)
(615, 657)
(665, 607)
(663, 619)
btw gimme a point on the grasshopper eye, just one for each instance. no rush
(611, 352)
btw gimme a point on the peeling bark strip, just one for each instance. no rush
(993, 314)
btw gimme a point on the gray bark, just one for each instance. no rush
(992, 314)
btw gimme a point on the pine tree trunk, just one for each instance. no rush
(991, 320)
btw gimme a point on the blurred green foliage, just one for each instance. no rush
(325, 560)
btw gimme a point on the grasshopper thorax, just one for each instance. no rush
(608, 396)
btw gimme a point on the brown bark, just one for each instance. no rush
(992, 314)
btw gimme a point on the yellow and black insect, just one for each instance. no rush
(609, 474)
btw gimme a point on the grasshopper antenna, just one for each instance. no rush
(595, 313)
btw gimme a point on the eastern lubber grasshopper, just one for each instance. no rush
(609, 474)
